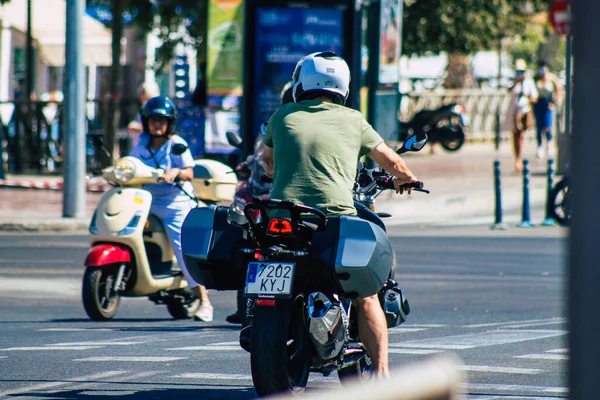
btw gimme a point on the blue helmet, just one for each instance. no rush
(159, 106)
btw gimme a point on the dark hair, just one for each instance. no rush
(542, 64)
(315, 94)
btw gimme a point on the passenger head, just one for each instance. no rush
(322, 74)
(286, 93)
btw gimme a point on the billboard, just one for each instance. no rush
(390, 41)
(282, 37)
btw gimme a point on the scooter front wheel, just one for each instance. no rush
(100, 300)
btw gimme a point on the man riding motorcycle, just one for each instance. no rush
(256, 187)
(311, 150)
(169, 202)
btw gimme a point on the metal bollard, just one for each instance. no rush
(548, 220)
(498, 224)
(526, 216)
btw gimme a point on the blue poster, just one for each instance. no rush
(283, 37)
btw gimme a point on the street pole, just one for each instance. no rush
(29, 56)
(74, 186)
(584, 259)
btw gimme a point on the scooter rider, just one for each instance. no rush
(311, 150)
(169, 202)
(257, 188)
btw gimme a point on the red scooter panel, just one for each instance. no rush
(105, 254)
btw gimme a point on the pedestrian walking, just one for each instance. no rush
(519, 116)
(549, 91)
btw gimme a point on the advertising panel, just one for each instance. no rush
(282, 37)
(390, 41)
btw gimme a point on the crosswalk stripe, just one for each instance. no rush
(126, 378)
(479, 339)
(514, 388)
(131, 359)
(515, 322)
(558, 351)
(205, 375)
(208, 348)
(39, 348)
(68, 381)
(544, 356)
(99, 343)
(75, 329)
(411, 351)
(404, 330)
(502, 370)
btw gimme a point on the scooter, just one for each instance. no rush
(131, 255)
(444, 125)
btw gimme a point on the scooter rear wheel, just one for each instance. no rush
(100, 300)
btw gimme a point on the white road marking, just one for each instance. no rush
(50, 348)
(565, 351)
(514, 388)
(202, 375)
(3, 356)
(208, 348)
(394, 331)
(425, 326)
(501, 370)
(479, 339)
(99, 343)
(132, 359)
(518, 326)
(557, 320)
(40, 288)
(126, 378)
(544, 356)
(411, 351)
(75, 329)
(67, 381)
(224, 344)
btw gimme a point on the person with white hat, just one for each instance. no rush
(519, 116)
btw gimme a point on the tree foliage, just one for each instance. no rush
(464, 26)
(175, 22)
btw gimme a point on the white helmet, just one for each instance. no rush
(322, 71)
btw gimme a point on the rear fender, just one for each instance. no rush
(106, 254)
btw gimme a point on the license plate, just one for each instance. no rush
(270, 279)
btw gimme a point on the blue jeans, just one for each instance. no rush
(543, 119)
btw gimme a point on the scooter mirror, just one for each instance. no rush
(413, 143)
(234, 139)
(179, 149)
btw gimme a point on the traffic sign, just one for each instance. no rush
(560, 17)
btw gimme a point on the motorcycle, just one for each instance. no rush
(444, 125)
(130, 254)
(301, 272)
(559, 202)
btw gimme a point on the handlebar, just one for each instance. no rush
(388, 183)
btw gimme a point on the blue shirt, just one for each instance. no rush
(164, 193)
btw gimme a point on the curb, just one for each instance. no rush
(68, 225)
(92, 185)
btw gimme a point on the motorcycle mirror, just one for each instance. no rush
(263, 129)
(234, 139)
(413, 143)
(179, 148)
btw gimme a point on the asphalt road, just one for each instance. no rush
(493, 298)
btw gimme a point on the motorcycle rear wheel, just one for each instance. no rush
(362, 370)
(100, 301)
(180, 310)
(276, 366)
(453, 141)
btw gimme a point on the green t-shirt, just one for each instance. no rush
(316, 146)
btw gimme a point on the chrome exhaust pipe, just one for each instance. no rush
(327, 325)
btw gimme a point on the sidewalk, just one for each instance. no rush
(461, 184)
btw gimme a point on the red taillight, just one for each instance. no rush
(265, 302)
(280, 226)
(459, 109)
